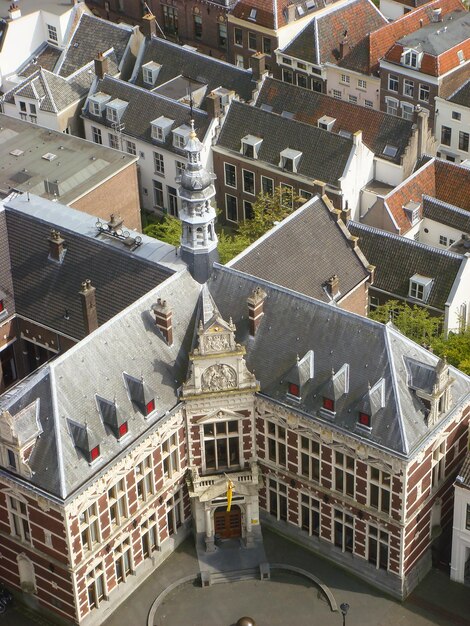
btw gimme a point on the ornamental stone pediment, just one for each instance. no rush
(219, 414)
(218, 378)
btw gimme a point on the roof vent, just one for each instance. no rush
(17, 152)
(49, 156)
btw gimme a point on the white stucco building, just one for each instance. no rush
(460, 562)
(452, 125)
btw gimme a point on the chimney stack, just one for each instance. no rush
(256, 309)
(88, 298)
(14, 11)
(101, 65)
(213, 107)
(346, 213)
(149, 25)
(422, 123)
(357, 137)
(291, 8)
(332, 286)
(258, 64)
(319, 187)
(163, 320)
(56, 246)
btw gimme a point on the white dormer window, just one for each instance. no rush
(161, 127)
(412, 211)
(290, 160)
(115, 109)
(411, 58)
(420, 287)
(251, 146)
(180, 136)
(326, 122)
(150, 72)
(97, 102)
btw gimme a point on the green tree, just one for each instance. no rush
(456, 349)
(413, 321)
(167, 230)
(231, 245)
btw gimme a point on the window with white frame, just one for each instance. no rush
(380, 485)
(345, 79)
(117, 502)
(442, 240)
(144, 479)
(352, 99)
(19, 521)
(89, 527)
(408, 87)
(411, 58)
(230, 175)
(95, 108)
(170, 456)
(287, 76)
(424, 92)
(392, 82)
(420, 287)
(180, 166)
(112, 114)
(248, 182)
(456, 116)
(463, 141)
(310, 514)
(222, 445)
(344, 473)
(158, 194)
(378, 542)
(123, 560)
(252, 45)
(362, 84)
(277, 495)
(131, 148)
(113, 141)
(446, 135)
(150, 72)
(157, 133)
(251, 146)
(407, 111)
(337, 94)
(231, 208)
(392, 106)
(267, 185)
(52, 33)
(309, 465)
(369, 104)
(238, 36)
(174, 512)
(95, 583)
(181, 136)
(158, 163)
(438, 465)
(96, 135)
(276, 446)
(287, 195)
(172, 201)
(149, 536)
(305, 194)
(343, 530)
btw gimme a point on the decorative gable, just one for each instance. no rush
(18, 436)
(432, 385)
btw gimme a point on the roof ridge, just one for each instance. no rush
(55, 417)
(458, 89)
(388, 328)
(448, 205)
(404, 240)
(407, 180)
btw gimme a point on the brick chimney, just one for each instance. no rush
(14, 11)
(332, 286)
(319, 187)
(163, 320)
(149, 25)
(258, 64)
(422, 123)
(88, 298)
(101, 65)
(213, 107)
(56, 246)
(256, 309)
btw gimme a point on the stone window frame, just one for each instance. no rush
(96, 584)
(252, 184)
(18, 517)
(346, 519)
(89, 527)
(175, 512)
(170, 447)
(150, 536)
(118, 498)
(124, 556)
(227, 436)
(226, 182)
(381, 538)
(310, 506)
(379, 490)
(309, 451)
(343, 473)
(277, 494)
(276, 443)
(144, 479)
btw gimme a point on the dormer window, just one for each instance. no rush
(412, 211)
(150, 406)
(411, 58)
(290, 160)
(97, 102)
(160, 128)
(180, 136)
(140, 394)
(328, 404)
(123, 430)
(150, 72)
(251, 146)
(12, 460)
(294, 390)
(364, 419)
(2, 306)
(94, 453)
(420, 287)
(326, 122)
(114, 110)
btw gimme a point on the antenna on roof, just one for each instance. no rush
(147, 8)
(190, 99)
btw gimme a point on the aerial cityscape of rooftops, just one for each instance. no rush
(234, 312)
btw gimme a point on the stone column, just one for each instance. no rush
(249, 533)
(210, 545)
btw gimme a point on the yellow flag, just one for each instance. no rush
(229, 495)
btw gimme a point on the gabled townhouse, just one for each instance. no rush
(154, 129)
(397, 144)
(356, 74)
(348, 437)
(328, 38)
(432, 61)
(264, 26)
(418, 274)
(431, 206)
(453, 125)
(314, 238)
(63, 168)
(460, 559)
(258, 150)
(27, 26)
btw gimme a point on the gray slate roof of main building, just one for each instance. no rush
(438, 37)
(398, 258)
(448, 214)
(324, 154)
(310, 239)
(462, 95)
(177, 60)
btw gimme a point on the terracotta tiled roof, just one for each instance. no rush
(375, 45)
(269, 13)
(439, 179)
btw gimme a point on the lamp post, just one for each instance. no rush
(344, 611)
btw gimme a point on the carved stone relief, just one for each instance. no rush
(218, 378)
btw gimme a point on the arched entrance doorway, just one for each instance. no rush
(228, 524)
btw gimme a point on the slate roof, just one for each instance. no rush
(94, 35)
(437, 38)
(462, 95)
(311, 238)
(365, 56)
(446, 213)
(398, 258)
(378, 128)
(46, 56)
(144, 107)
(44, 289)
(293, 324)
(54, 93)
(319, 41)
(324, 154)
(178, 61)
(273, 14)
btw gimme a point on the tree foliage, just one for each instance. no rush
(167, 230)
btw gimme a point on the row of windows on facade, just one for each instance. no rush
(287, 198)
(266, 183)
(310, 457)
(463, 137)
(409, 88)
(309, 520)
(171, 25)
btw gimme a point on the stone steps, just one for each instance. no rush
(234, 576)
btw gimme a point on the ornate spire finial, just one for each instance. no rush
(192, 134)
